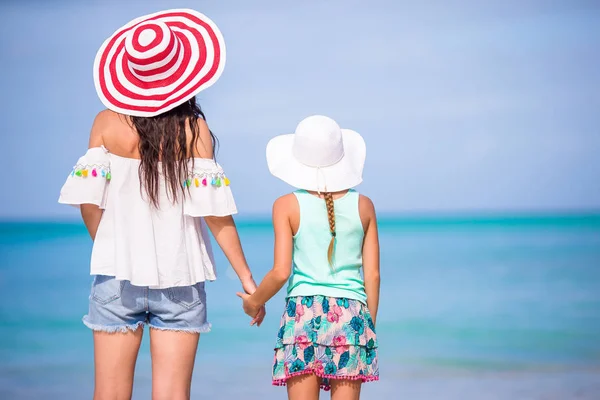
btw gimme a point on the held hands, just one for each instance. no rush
(256, 312)
(253, 310)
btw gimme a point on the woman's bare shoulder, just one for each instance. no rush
(204, 144)
(112, 130)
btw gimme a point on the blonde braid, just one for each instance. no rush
(331, 217)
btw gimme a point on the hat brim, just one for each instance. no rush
(203, 61)
(345, 174)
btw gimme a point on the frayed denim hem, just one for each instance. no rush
(113, 328)
(205, 328)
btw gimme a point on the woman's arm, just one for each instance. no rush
(282, 265)
(226, 235)
(91, 213)
(370, 255)
(224, 229)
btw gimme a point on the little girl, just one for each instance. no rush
(324, 233)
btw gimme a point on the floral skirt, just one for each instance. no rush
(333, 338)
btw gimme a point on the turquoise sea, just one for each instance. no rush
(481, 307)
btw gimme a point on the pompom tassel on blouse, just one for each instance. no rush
(130, 226)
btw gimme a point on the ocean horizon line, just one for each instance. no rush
(416, 220)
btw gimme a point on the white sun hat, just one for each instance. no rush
(319, 156)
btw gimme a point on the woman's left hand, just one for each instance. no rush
(253, 310)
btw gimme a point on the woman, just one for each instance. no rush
(147, 188)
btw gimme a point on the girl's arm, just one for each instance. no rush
(370, 255)
(282, 265)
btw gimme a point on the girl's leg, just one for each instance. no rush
(303, 387)
(345, 389)
(115, 355)
(173, 355)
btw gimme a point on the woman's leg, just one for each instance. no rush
(345, 389)
(173, 355)
(303, 387)
(115, 355)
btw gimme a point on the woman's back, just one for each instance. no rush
(157, 241)
(117, 133)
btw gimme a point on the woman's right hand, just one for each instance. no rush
(248, 285)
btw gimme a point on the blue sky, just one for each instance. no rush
(463, 106)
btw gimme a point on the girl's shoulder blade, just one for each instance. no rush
(285, 204)
(366, 209)
(287, 208)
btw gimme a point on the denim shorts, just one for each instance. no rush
(118, 306)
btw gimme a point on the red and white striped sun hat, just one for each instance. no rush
(158, 61)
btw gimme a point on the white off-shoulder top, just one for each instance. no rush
(148, 246)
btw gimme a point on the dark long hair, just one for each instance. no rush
(164, 149)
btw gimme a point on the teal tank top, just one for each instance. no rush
(311, 274)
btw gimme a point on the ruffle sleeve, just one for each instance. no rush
(207, 191)
(89, 180)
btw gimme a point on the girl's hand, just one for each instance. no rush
(255, 311)
(259, 317)
(249, 287)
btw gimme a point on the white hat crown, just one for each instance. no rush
(318, 142)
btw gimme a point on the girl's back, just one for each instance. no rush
(312, 274)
